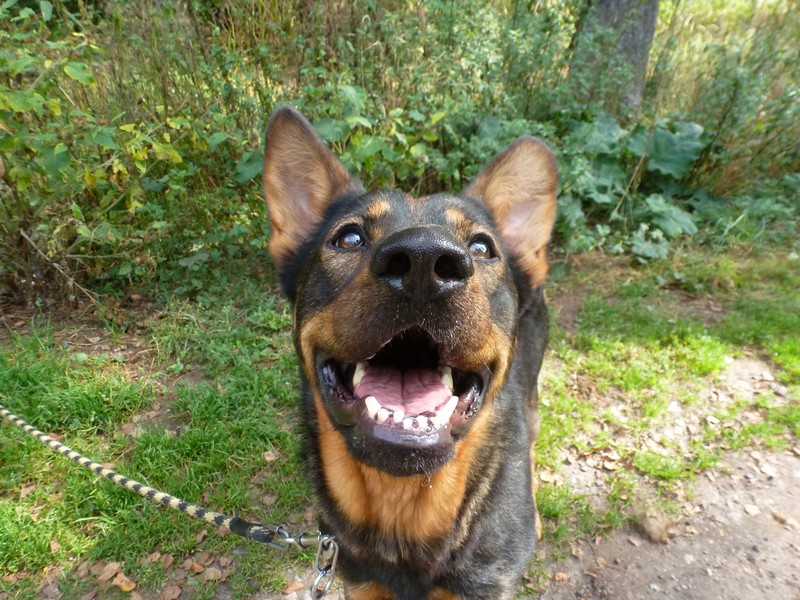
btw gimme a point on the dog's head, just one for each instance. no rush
(405, 308)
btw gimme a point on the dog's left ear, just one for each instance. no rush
(519, 188)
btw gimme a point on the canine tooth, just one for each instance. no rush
(373, 406)
(398, 416)
(383, 416)
(446, 411)
(435, 422)
(408, 423)
(422, 421)
(447, 377)
(361, 368)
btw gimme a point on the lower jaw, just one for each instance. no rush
(399, 460)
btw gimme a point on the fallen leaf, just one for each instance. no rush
(109, 571)
(751, 509)
(212, 574)
(635, 541)
(171, 592)
(187, 564)
(294, 586)
(197, 568)
(89, 595)
(223, 532)
(201, 536)
(136, 596)
(123, 583)
(54, 546)
(225, 561)
(27, 490)
(204, 558)
(271, 456)
(167, 560)
(269, 499)
(97, 567)
(559, 577)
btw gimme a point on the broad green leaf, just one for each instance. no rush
(354, 96)
(125, 268)
(674, 153)
(330, 130)
(47, 10)
(79, 72)
(436, 117)
(354, 120)
(103, 137)
(18, 65)
(216, 139)
(250, 165)
(128, 127)
(76, 212)
(21, 101)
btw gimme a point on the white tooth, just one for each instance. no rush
(422, 421)
(447, 377)
(373, 406)
(446, 411)
(398, 416)
(383, 416)
(361, 368)
(408, 423)
(435, 422)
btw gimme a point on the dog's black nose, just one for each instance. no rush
(422, 263)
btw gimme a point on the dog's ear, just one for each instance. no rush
(519, 188)
(301, 177)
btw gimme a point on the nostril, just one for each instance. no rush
(398, 265)
(448, 268)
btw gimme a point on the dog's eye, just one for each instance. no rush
(480, 247)
(349, 238)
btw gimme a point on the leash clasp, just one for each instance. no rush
(327, 555)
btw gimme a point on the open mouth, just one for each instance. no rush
(405, 394)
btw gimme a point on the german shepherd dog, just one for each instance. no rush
(420, 326)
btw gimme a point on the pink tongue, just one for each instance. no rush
(415, 391)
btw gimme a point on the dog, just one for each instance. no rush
(420, 327)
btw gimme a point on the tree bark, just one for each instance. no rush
(635, 23)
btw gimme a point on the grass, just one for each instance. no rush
(211, 418)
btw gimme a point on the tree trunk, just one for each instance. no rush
(635, 23)
(622, 31)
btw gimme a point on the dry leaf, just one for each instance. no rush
(225, 561)
(204, 558)
(212, 574)
(269, 499)
(123, 583)
(187, 564)
(294, 586)
(54, 546)
(271, 456)
(166, 560)
(559, 577)
(171, 592)
(89, 595)
(635, 541)
(27, 490)
(197, 568)
(223, 532)
(201, 536)
(109, 571)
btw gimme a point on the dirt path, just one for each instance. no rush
(737, 538)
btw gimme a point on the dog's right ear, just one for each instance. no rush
(301, 177)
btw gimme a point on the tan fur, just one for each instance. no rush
(367, 591)
(411, 508)
(519, 187)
